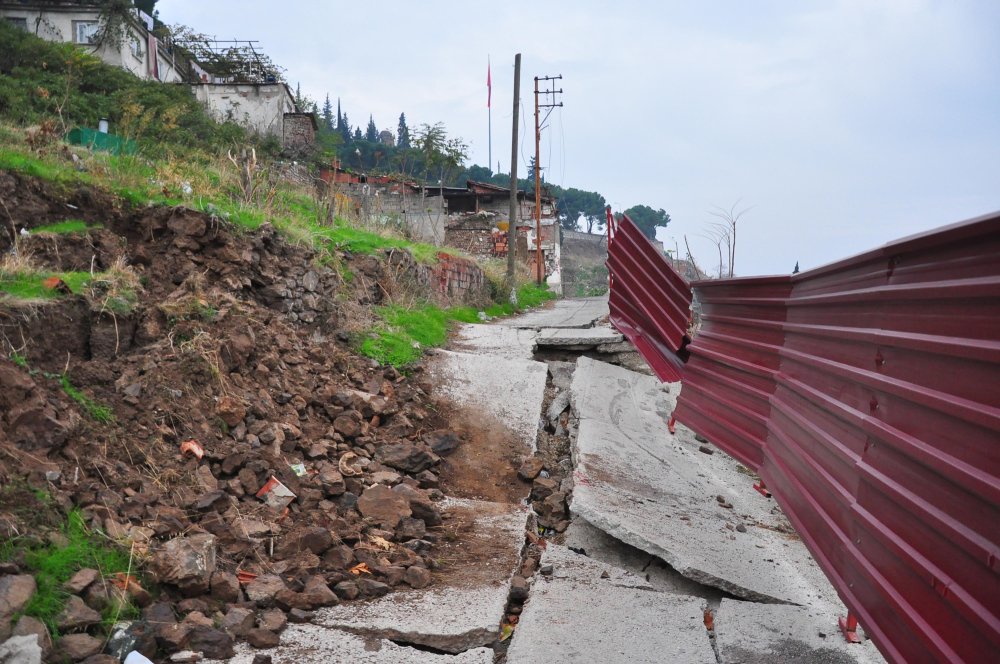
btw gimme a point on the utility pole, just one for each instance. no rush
(512, 223)
(539, 263)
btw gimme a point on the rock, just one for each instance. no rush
(78, 647)
(264, 589)
(339, 557)
(30, 626)
(420, 504)
(332, 481)
(213, 643)
(273, 620)
(384, 506)
(262, 638)
(238, 621)
(186, 657)
(225, 587)
(347, 590)
(15, 593)
(348, 425)
(198, 619)
(406, 457)
(543, 487)
(101, 659)
(21, 650)
(443, 442)
(315, 595)
(410, 528)
(553, 508)
(261, 659)
(79, 581)
(300, 616)
(705, 449)
(530, 468)
(315, 539)
(373, 588)
(186, 562)
(417, 577)
(519, 588)
(230, 411)
(189, 224)
(546, 570)
(76, 615)
(741, 528)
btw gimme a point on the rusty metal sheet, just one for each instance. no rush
(650, 303)
(866, 394)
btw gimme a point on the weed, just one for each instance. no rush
(391, 347)
(19, 360)
(53, 565)
(67, 227)
(94, 410)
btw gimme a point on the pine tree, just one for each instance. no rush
(371, 135)
(403, 133)
(358, 136)
(340, 118)
(328, 113)
(298, 97)
(344, 127)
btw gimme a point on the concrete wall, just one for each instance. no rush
(59, 24)
(259, 107)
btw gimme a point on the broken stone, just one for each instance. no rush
(261, 659)
(225, 587)
(741, 528)
(519, 588)
(420, 504)
(186, 562)
(262, 638)
(339, 557)
(417, 577)
(77, 647)
(530, 468)
(299, 615)
(347, 590)
(230, 411)
(273, 620)
(407, 457)
(76, 615)
(30, 626)
(383, 505)
(410, 528)
(373, 588)
(348, 425)
(20, 650)
(543, 487)
(238, 621)
(186, 657)
(315, 539)
(442, 441)
(15, 593)
(705, 449)
(264, 588)
(212, 643)
(332, 481)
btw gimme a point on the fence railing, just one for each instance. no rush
(866, 395)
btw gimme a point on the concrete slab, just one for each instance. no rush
(587, 611)
(495, 340)
(511, 390)
(593, 542)
(561, 373)
(464, 606)
(751, 633)
(569, 313)
(578, 338)
(658, 493)
(314, 644)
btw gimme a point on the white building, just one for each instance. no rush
(138, 50)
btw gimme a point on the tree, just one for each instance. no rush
(438, 151)
(531, 171)
(358, 136)
(328, 114)
(403, 133)
(575, 203)
(648, 219)
(344, 127)
(299, 100)
(727, 229)
(371, 135)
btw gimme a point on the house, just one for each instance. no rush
(134, 48)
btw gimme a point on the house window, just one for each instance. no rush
(17, 22)
(85, 32)
(135, 45)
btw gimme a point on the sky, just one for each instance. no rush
(838, 125)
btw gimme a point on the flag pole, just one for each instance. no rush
(489, 112)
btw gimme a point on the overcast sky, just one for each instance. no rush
(842, 124)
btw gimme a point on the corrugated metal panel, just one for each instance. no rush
(650, 303)
(867, 395)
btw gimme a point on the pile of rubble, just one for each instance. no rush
(254, 466)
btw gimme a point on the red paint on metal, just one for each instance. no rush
(650, 303)
(849, 628)
(864, 393)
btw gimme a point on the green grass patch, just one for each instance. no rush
(30, 286)
(53, 565)
(94, 410)
(66, 227)
(19, 360)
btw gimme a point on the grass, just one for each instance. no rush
(31, 285)
(67, 227)
(94, 410)
(407, 331)
(53, 564)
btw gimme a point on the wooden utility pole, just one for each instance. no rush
(539, 262)
(512, 223)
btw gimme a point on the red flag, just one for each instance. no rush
(489, 86)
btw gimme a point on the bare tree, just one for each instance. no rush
(727, 230)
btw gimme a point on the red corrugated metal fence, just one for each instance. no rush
(866, 394)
